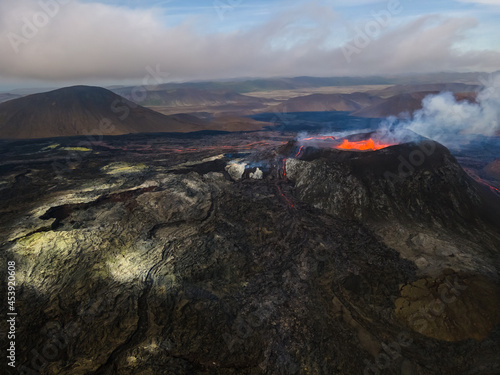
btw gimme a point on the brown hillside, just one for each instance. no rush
(82, 110)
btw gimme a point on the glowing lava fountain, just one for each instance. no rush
(365, 145)
(369, 144)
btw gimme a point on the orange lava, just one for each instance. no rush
(300, 150)
(365, 145)
(494, 189)
(484, 182)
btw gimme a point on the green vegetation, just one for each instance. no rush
(81, 149)
(51, 147)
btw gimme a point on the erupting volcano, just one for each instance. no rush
(174, 247)
(365, 145)
(358, 142)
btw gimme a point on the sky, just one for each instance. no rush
(56, 43)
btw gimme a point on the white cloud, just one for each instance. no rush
(85, 41)
(485, 2)
(353, 3)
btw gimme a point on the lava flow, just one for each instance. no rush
(476, 177)
(287, 200)
(300, 150)
(365, 145)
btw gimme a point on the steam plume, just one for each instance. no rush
(442, 117)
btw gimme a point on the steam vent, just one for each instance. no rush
(317, 255)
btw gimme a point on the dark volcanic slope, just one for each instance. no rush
(7, 97)
(412, 195)
(82, 110)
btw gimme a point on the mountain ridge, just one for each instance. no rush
(83, 110)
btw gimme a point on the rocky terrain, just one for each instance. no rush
(415, 196)
(230, 254)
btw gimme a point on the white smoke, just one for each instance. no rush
(442, 117)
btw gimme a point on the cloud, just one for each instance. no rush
(484, 2)
(442, 117)
(92, 41)
(353, 3)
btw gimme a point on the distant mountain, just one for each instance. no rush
(403, 104)
(268, 84)
(6, 97)
(327, 102)
(365, 104)
(439, 87)
(473, 78)
(31, 90)
(394, 106)
(190, 97)
(82, 110)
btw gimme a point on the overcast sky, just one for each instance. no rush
(62, 42)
